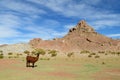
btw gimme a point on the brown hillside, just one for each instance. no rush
(80, 37)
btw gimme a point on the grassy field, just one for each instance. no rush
(80, 68)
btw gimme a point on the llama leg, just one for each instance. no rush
(33, 65)
(26, 64)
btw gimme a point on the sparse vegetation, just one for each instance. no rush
(92, 53)
(89, 55)
(101, 52)
(44, 58)
(10, 53)
(103, 62)
(40, 51)
(84, 51)
(1, 56)
(118, 53)
(53, 53)
(97, 56)
(70, 54)
(1, 52)
(27, 52)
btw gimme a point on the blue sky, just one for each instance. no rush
(22, 20)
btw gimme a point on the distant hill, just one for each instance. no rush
(80, 37)
(15, 48)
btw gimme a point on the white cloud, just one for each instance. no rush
(8, 32)
(44, 33)
(83, 9)
(8, 25)
(9, 20)
(69, 7)
(98, 24)
(21, 7)
(50, 23)
(69, 26)
(15, 15)
(113, 35)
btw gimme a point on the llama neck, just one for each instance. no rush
(37, 55)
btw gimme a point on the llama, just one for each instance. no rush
(31, 59)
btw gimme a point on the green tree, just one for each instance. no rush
(40, 51)
(27, 52)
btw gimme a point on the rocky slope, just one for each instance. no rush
(15, 48)
(80, 37)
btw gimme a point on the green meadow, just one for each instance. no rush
(106, 67)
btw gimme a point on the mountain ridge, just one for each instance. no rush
(80, 37)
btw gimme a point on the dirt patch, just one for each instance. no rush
(115, 72)
(7, 63)
(62, 74)
(73, 65)
(111, 74)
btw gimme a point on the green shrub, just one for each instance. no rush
(118, 53)
(103, 62)
(93, 54)
(40, 51)
(102, 52)
(26, 52)
(97, 56)
(70, 54)
(10, 57)
(113, 53)
(89, 55)
(106, 54)
(16, 57)
(53, 53)
(1, 52)
(1, 56)
(84, 51)
(10, 53)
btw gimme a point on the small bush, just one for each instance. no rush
(93, 53)
(10, 53)
(102, 52)
(16, 57)
(118, 53)
(106, 54)
(89, 55)
(97, 56)
(70, 54)
(40, 51)
(113, 53)
(26, 52)
(1, 52)
(10, 57)
(103, 62)
(1, 56)
(53, 53)
(84, 51)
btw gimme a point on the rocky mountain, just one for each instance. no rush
(80, 37)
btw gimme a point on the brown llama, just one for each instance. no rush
(31, 59)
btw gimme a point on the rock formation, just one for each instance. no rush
(80, 37)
